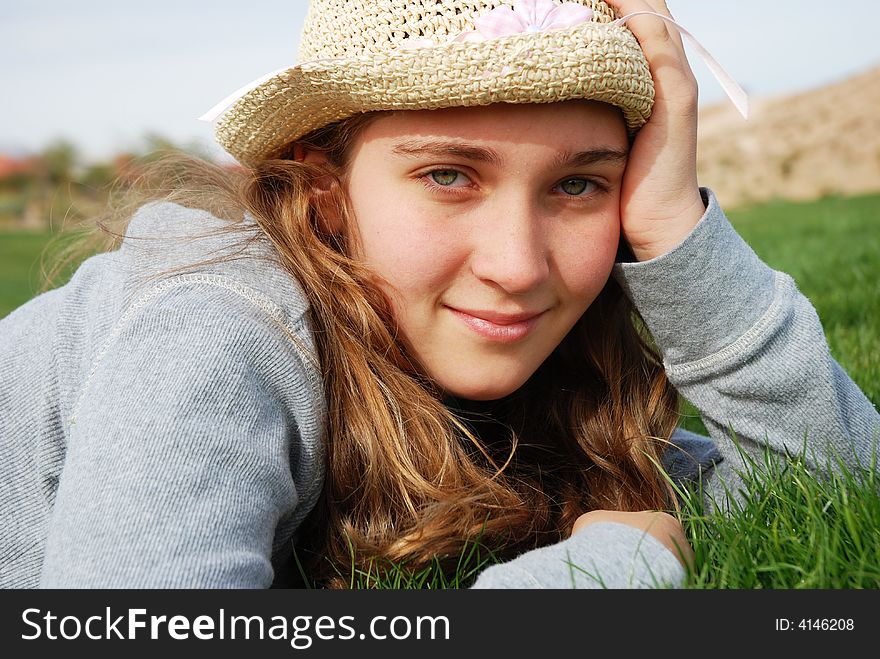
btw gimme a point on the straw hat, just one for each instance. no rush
(361, 55)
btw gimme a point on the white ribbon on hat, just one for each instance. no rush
(734, 92)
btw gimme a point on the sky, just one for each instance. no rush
(105, 73)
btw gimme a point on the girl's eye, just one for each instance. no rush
(576, 186)
(444, 177)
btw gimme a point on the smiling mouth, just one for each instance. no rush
(497, 327)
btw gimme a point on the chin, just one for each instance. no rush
(485, 389)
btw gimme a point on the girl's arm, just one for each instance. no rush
(183, 457)
(747, 349)
(602, 555)
(737, 338)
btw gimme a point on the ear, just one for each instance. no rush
(302, 153)
(325, 196)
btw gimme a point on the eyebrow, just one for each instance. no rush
(591, 157)
(439, 148)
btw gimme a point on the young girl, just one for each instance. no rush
(410, 324)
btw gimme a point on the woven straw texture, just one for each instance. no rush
(354, 58)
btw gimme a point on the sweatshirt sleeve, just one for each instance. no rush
(742, 344)
(178, 466)
(602, 555)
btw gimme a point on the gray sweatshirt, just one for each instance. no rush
(163, 429)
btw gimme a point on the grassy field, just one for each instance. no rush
(794, 531)
(23, 255)
(19, 267)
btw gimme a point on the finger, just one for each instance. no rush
(661, 7)
(672, 73)
(653, 34)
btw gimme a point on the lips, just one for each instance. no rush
(497, 326)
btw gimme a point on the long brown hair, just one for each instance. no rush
(411, 476)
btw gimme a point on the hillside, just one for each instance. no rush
(804, 146)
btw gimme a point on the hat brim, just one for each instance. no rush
(596, 61)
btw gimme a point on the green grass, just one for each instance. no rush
(793, 530)
(18, 270)
(387, 575)
(21, 265)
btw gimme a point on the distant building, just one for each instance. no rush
(9, 166)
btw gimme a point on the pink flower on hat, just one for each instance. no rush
(526, 16)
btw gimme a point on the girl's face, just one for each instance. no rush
(493, 229)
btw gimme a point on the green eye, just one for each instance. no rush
(444, 176)
(574, 186)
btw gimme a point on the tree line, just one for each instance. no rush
(55, 186)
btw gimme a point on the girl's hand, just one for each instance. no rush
(660, 201)
(662, 526)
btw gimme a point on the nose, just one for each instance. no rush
(509, 247)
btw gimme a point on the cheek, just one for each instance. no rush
(408, 248)
(585, 259)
